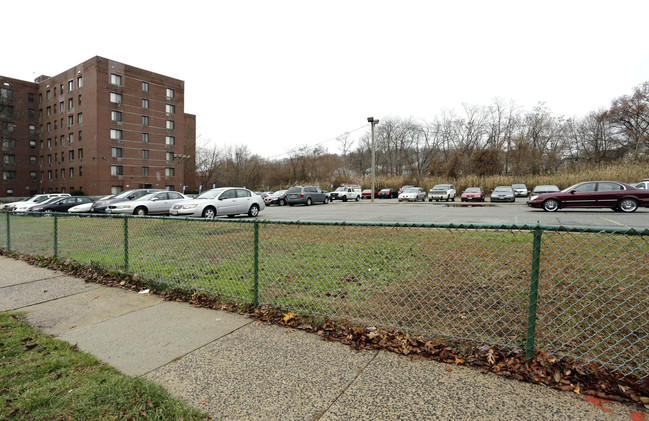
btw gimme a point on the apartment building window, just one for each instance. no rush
(42, 175)
(170, 124)
(71, 156)
(9, 159)
(116, 98)
(145, 120)
(170, 109)
(42, 160)
(170, 93)
(116, 170)
(80, 154)
(56, 158)
(31, 113)
(62, 140)
(170, 156)
(145, 104)
(79, 136)
(6, 94)
(32, 129)
(145, 154)
(71, 175)
(8, 143)
(49, 143)
(79, 82)
(32, 144)
(79, 100)
(115, 134)
(8, 127)
(80, 119)
(32, 175)
(48, 111)
(32, 159)
(170, 140)
(145, 171)
(56, 124)
(70, 138)
(30, 97)
(63, 174)
(61, 87)
(40, 114)
(116, 152)
(70, 120)
(49, 174)
(80, 171)
(70, 85)
(145, 86)
(49, 127)
(55, 92)
(62, 106)
(115, 79)
(145, 138)
(170, 172)
(70, 104)
(116, 116)
(48, 96)
(8, 175)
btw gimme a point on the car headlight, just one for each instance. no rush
(124, 206)
(190, 206)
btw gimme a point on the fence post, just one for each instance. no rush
(8, 233)
(56, 236)
(255, 287)
(125, 243)
(534, 293)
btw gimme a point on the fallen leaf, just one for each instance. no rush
(449, 368)
(289, 316)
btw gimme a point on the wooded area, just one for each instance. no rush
(476, 141)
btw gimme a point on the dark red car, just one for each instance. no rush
(593, 194)
(473, 194)
(367, 194)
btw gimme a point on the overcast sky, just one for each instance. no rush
(275, 75)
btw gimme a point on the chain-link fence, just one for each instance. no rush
(578, 292)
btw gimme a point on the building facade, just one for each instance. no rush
(100, 127)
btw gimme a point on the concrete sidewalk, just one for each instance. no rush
(238, 369)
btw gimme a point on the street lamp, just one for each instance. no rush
(373, 123)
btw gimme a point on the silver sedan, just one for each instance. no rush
(157, 203)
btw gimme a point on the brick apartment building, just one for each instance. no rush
(100, 127)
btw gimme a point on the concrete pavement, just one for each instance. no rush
(236, 368)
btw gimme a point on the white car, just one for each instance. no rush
(520, 190)
(23, 205)
(413, 194)
(228, 201)
(157, 203)
(442, 192)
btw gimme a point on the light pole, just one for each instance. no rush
(373, 123)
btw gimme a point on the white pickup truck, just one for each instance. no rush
(347, 192)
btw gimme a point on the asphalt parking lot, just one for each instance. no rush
(518, 213)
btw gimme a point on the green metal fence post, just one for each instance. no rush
(126, 244)
(534, 293)
(255, 288)
(8, 233)
(56, 236)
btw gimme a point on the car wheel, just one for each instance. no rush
(140, 211)
(357, 198)
(253, 211)
(551, 205)
(628, 205)
(453, 199)
(281, 202)
(308, 201)
(326, 200)
(209, 212)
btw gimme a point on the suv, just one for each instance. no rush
(442, 192)
(100, 206)
(306, 195)
(347, 192)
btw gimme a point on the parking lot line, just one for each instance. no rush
(615, 222)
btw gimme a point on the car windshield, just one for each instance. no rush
(211, 194)
(518, 186)
(472, 190)
(385, 190)
(41, 199)
(279, 193)
(441, 187)
(52, 200)
(341, 189)
(124, 195)
(147, 196)
(412, 190)
(503, 189)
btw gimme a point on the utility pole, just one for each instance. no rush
(373, 122)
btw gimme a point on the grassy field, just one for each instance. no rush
(47, 379)
(449, 283)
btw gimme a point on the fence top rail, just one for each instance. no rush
(509, 227)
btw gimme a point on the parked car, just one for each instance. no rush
(23, 205)
(156, 203)
(61, 204)
(642, 185)
(413, 194)
(442, 192)
(306, 195)
(404, 188)
(503, 194)
(228, 201)
(85, 207)
(473, 194)
(367, 194)
(388, 193)
(346, 192)
(520, 190)
(6, 206)
(548, 188)
(594, 194)
(100, 206)
(277, 198)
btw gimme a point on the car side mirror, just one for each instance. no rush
(572, 192)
